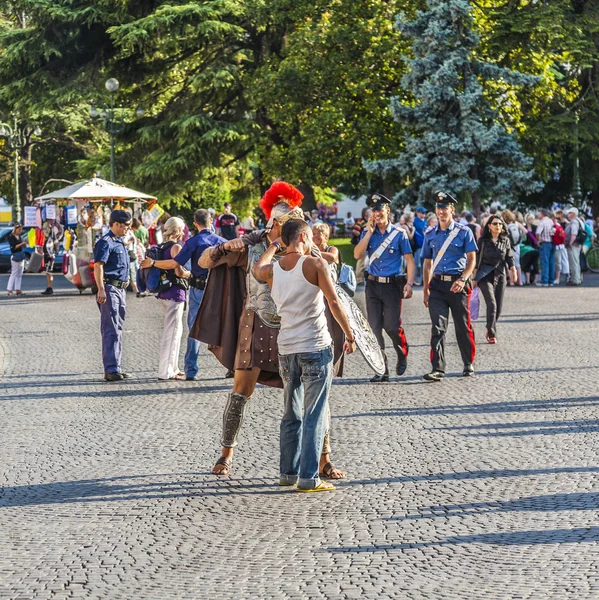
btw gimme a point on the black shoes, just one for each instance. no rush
(229, 374)
(49, 291)
(434, 376)
(468, 371)
(379, 379)
(116, 376)
(402, 365)
(194, 378)
(113, 376)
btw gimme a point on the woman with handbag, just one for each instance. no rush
(17, 260)
(495, 256)
(172, 299)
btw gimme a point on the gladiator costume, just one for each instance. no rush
(239, 321)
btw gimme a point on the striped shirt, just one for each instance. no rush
(545, 230)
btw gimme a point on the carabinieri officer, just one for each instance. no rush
(191, 251)
(449, 253)
(111, 271)
(386, 284)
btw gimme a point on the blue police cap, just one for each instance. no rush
(120, 216)
(377, 201)
(443, 199)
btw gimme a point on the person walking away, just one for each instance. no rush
(495, 257)
(17, 260)
(191, 251)
(131, 242)
(449, 254)
(419, 229)
(227, 224)
(51, 246)
(111, 272)
(248, 225)
(544, 235)
(173, 302)
(575, 237)
(356, 234)
(386, 246)
(299, 283)
(562, 266)
(140, 232)
(516, 233)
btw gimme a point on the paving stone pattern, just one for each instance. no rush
(473, 489)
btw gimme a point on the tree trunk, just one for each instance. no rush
(27, 188)
(309, 202)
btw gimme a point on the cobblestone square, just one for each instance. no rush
(482, 488)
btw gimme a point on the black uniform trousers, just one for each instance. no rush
(492, 287)
(383, 307)
(440, 302)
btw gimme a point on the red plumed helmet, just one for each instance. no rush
(280, 191)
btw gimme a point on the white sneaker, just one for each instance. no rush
(542, 284)
(556, 282)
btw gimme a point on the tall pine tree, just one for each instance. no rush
(456, 140)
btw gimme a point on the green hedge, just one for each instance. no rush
(346, 249)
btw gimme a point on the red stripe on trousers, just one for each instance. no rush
(470, 330)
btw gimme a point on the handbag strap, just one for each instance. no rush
(444, 247)
(379, 251)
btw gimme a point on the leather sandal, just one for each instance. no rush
(226, 462)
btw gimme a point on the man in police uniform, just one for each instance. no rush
(111, 271)
(449, 253)
(386, 284)
(191, 251)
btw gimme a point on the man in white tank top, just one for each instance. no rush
(299, 283)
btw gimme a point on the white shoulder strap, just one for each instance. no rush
(379, 251)
(444, 247)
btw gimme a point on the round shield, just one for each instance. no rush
(365, 340)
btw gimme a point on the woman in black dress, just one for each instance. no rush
(495, 256)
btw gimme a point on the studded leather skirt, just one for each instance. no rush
(257, 344)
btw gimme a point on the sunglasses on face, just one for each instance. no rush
(497, 223)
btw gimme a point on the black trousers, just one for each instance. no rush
(441, 302)
(492, 287)
(383, 306)
(529, 264)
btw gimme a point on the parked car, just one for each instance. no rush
(5, 250)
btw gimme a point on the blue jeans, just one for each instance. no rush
(193, 346)
(418, 261)
(547, 256)
(307, 379)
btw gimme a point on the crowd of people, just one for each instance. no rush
(264, 300)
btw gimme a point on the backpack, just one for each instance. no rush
(581, 236)
(347, 279)
(559, 237)
(156, 280)
(514, 234)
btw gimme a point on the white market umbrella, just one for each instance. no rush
(96, 189)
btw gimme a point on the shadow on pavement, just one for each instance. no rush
(527, 428)
(509, 538)
(188, 485)
(491, 407)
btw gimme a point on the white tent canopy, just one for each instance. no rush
(95, 189)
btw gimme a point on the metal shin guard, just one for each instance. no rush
(233, 419)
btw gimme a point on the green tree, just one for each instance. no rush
(457, 141)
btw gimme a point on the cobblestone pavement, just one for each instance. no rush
(472, 489)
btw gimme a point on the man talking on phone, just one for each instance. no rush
(386, 282)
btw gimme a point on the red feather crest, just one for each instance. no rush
(280, 192)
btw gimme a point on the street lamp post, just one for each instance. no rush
(577, 188)
(112, 124)
(17, 136)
